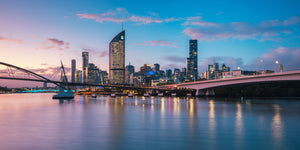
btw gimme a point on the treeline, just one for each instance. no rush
(4, 89)
(267, 89)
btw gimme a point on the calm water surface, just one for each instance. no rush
(35, 121)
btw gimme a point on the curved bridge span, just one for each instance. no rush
(38, 78)
(204, 87)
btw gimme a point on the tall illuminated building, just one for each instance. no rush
(73, 70)
(85, 63)
(192, 61)
(128, 71)
(117, 59)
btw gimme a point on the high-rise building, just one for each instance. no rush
(85, 63)
(128, 71)
(169, 73)
(156, 68)
(117, 59)
(73, 70)
(93, 74)
(192, 61)
(79, 76)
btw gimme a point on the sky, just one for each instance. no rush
(252, 35)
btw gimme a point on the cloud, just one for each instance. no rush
(53, 43)
(144, 20)
(104, 53)
(197, 21)
(159, 42)
(122, 15)
(176, 59)
(11, 40)
(292, 21)
(288, 57)
(265, 30)
(100, 19)
(56, 41)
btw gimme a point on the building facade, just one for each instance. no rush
(117, 59)
(73, 70)
(85, 63)
(93, 74)
(192, 61)
(128, 71)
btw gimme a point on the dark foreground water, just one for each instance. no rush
(35, 121)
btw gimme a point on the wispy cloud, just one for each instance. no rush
(159, 42)
(53, 43)
(122, 15)
(6, 39)
(265, 30)
(104, 53)
(176, 59)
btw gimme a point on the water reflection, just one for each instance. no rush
(212, 121)
(239, 120)
(277, 125)
(29, 122)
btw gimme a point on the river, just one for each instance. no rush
(35, 121)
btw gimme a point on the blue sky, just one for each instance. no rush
(36, 34)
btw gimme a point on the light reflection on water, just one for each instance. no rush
(35, 121)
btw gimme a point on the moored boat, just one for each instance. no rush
(130, 95)
(113, 94)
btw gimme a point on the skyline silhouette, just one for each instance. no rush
(37, 34)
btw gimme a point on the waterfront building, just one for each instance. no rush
(78, 76)
(117, 59)
(85, 62)
(93, 74)
(237, 73)
(103, 77)
(192, 61)
(169, 73)
(73, 70)
(156, 68)
(129, 69)
(225, 68)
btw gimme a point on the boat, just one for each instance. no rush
(130, 95)
(113, 94)
(94, 95)
(146, 95)
(173, 94)
(160, 94)
(63, 94)
(189, 94)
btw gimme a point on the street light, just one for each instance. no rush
(280, 67)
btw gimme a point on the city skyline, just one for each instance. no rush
(239, 34)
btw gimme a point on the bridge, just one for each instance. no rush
(206, 87)
(17, 73)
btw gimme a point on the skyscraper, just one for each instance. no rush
(85, 63)
(117, 59)
(128, 71)
(156, 68)
(192, 61)
(93, 74)
(73, 66)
